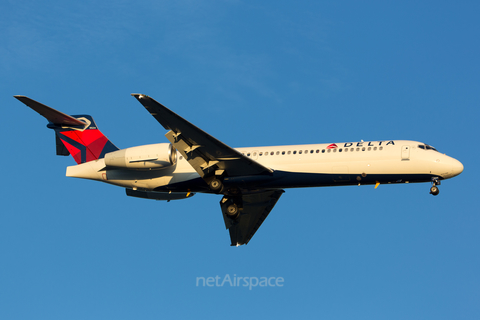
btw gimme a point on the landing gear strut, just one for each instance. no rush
(434, 189)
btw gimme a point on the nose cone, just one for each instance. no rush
(457, 168)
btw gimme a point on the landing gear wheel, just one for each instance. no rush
(232, 211)
(216, 185)
(231, 208)
(434, 189)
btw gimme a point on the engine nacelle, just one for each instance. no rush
(150, 156)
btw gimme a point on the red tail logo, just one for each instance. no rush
(85, 144)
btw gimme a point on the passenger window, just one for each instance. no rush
(300, 152)
(363, 149)
(334, 150)
(306, 151)
(283, 153)
(318, 151)
(271, 153)
(346, 149)
(329, 150)
(374, 148)
(260, 154)
(248, 154)
(295, 152)
(358, 149)
(311, 151)
(340, 150)
(351, 149)
(289, 152)
(381, 148)
(369, 148)
(323, 150)
(278, 152)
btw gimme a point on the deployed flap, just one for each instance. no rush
(52, 115)
(256, 207)
(202, 151)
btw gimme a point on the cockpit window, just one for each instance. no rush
(426, 147)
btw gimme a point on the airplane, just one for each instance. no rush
(251, 180)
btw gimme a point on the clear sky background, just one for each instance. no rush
(251, 73)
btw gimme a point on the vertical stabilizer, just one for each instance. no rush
(76, 135)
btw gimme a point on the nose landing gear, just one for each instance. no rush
(434, 189)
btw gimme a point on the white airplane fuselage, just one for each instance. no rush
(314, 165)
(251, 180)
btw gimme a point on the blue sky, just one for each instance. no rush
(250, 74)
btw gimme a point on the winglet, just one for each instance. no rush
(52, 115)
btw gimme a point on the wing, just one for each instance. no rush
(211, 157)
(256, 207)
(207, 155)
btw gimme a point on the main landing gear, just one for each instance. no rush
(232, 210)
(434, 189)
(231, 202)
(216, 185)
(231, 206)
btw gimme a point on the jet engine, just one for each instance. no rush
(150, 156)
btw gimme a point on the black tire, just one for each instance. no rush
(216, 185)
(232, 211)
(434, 190)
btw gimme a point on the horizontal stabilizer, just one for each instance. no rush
(52, 115)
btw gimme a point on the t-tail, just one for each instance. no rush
(77, 135)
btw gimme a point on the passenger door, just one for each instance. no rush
(405, 153)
